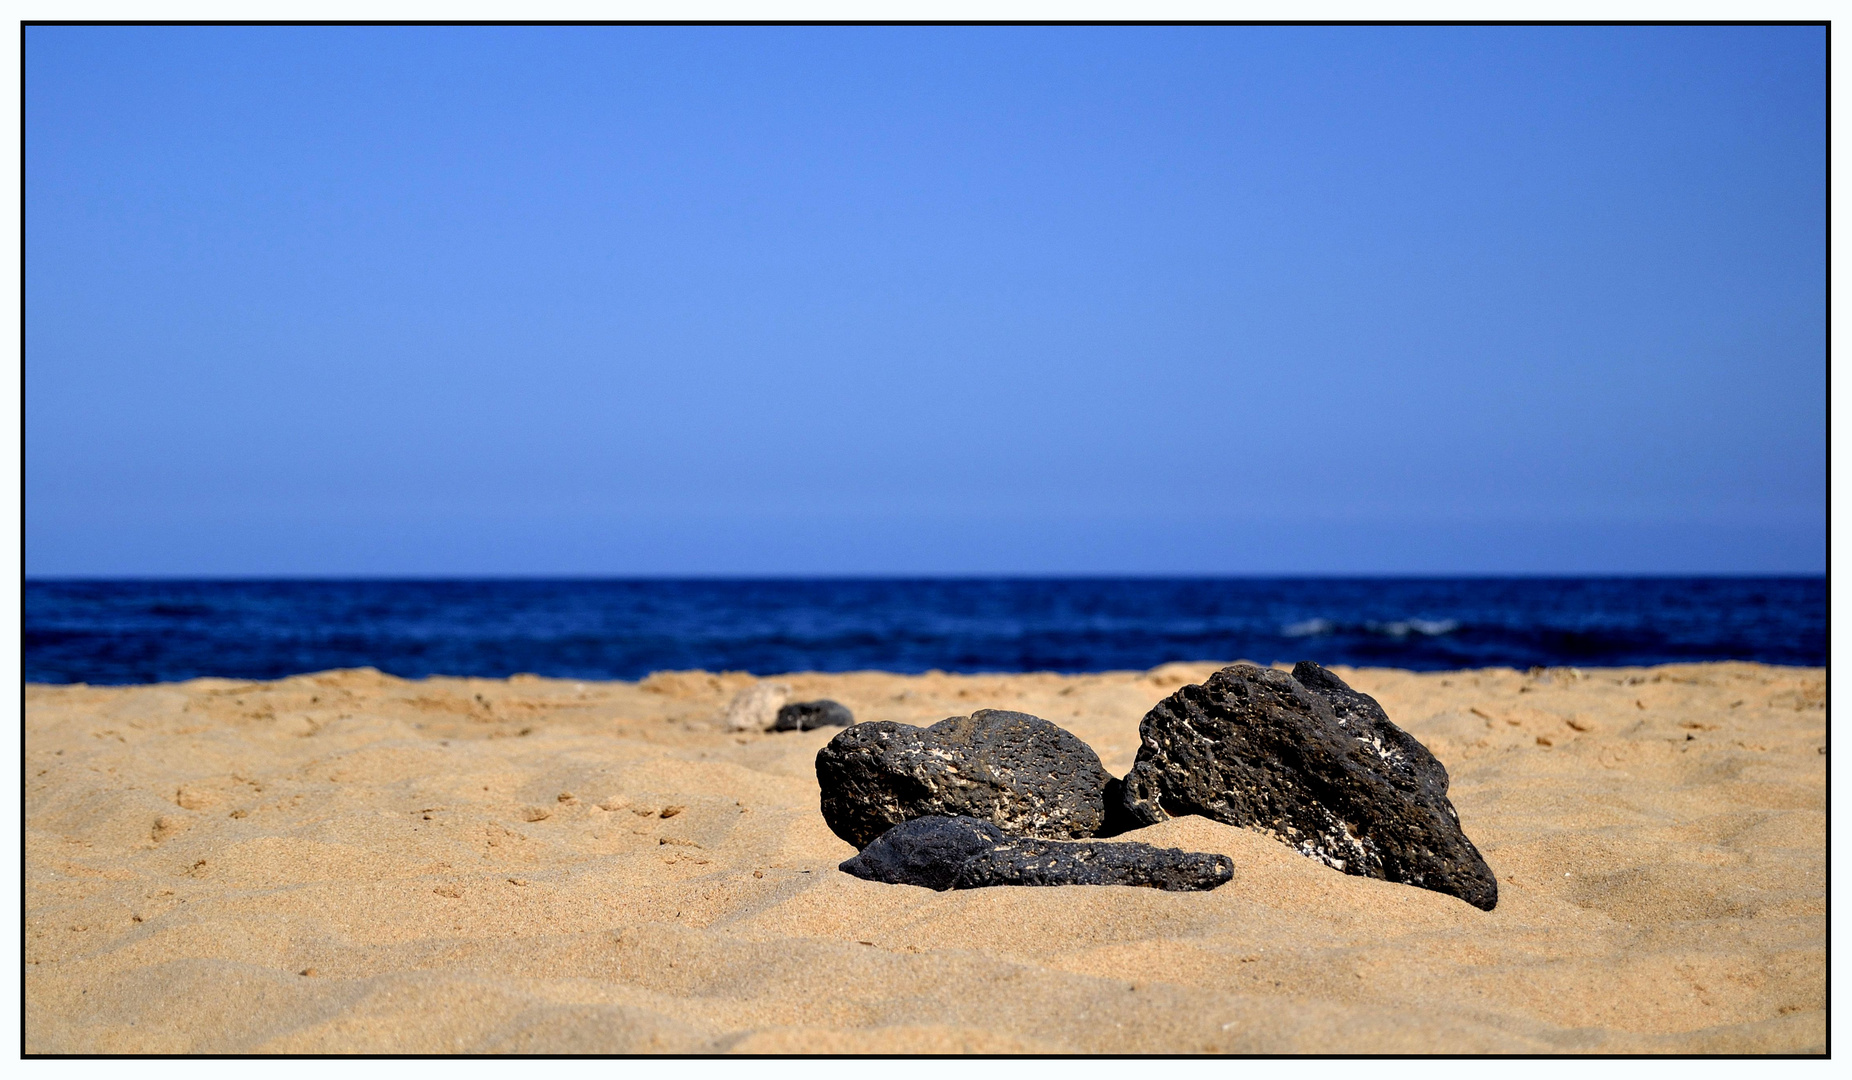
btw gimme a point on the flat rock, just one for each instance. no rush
(805, 715)
(966, 853)
(1316, 764)
(928, 851)
(1017, 771)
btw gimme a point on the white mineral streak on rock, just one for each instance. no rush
(756, 707)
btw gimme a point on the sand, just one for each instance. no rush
(352, 862)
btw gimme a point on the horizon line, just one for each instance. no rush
(30, 579)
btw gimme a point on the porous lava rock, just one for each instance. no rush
(928, 851)
(1017, 771)
(805, 715)
(966, 853)
(1026, 861)
(1316, 764)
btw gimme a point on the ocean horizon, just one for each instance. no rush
(121, 631)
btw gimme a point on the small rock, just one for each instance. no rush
(1316, 764)
(756, 707)
(805, 715)
(965, 853)
(1017, 771)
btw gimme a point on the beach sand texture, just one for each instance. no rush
(352, 862)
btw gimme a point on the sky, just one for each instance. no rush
(637, 301)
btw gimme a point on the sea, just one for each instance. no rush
(115, 632)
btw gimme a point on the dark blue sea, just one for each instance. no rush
(153, 631)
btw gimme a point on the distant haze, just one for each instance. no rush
(639, 301)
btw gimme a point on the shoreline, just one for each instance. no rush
(552, 865)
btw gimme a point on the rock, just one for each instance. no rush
(1095, 862)
(805, 715)
(926, 851)
(1019, 772)
(1316, 764)
(756, 707)
(966, 853)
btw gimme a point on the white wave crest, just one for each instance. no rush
(1405, 627)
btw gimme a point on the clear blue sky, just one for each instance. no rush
(939, 300)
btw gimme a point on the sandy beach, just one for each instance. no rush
(351, 862)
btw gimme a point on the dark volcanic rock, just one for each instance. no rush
(804, 715)
(1014, 770)
(1316, 764)
(965, 853)
(1094, 862)
(926, 851)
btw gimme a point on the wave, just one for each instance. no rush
(1399, 628)
(1424, 627)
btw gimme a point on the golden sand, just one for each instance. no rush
(352, 862)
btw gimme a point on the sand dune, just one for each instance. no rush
(353, 862)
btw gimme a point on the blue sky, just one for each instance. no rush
(623, 301)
